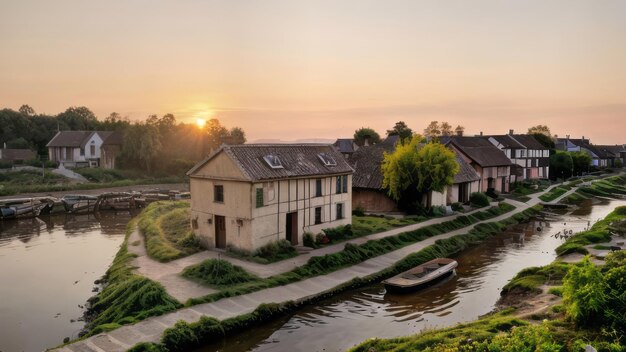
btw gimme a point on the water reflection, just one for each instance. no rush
(48, 266)
(338, 323)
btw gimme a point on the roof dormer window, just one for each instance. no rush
(327, 159)
(273, 161)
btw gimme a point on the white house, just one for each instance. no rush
(246, 196)
(82, 148)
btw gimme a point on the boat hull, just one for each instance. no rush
(409, 289)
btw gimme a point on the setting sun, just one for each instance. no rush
(200, 122)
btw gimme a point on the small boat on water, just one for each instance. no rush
(421, 276)
(25, 207)
(79, 203)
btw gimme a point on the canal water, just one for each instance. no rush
(48, 267)
(340, 322)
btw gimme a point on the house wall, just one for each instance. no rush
(452, 195)
(249, 227)
(96, 141)
(373, 201)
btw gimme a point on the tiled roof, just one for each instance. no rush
(70, 139)
(480, 150)
(528, 141)
(613, 149)
(298, 160)
(507, 141)
(366, 162)
(466, 172)
(111, 138)
(345, 145)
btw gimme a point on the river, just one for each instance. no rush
(340, 322)
(49, 266)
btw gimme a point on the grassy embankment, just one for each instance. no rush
(352, 254)
(593, 312)
(126, 297)
(607, 187)
(184, 336)
(522, 190)
(553, 194)
(167, 230)
(598, 233)
(27, 181)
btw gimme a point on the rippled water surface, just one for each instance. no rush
(47, 269)
(345, 320)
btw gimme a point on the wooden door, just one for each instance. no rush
(292, 228)
(220, 231)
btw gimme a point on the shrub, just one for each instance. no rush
(320, 238)
(308, 240)
(276, 251)
(217, 273)
(439, 210)
(338, 233)
(358, 211)
(479, 199)
(457, 206)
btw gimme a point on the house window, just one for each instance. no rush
(68, 154)
(218, 194)
(318, 187)
(82, 151)
(339, 211)
(342, 184)
(92, 150)
(318, 215)
(259, 197)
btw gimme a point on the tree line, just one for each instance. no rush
(159, 144)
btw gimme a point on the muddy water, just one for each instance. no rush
(340, 322)
(47, 269)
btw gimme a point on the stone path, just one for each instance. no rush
(151, 329)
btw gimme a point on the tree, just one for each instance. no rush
(414, 169)
(400, 129)
(544, 139)
(18, 143)
(581, 161)
(618, 163)
(142, 144)
(26, 110)
(366, 133)
(542, 129)
(79, 119)
(433, 130)
(561, 165)
(446, 129)
(237, 135)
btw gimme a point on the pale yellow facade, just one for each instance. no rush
(287, 210)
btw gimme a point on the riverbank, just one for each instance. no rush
(533, 314)
(99, 188)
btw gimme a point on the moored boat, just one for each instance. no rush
(78, 203)
(421, 276)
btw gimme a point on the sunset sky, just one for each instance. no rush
(303, 69)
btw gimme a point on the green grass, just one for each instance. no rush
(599, 233)
(367, 225)
(553, 194)
(126, 297)
(218, 273)
(271, 252)
(26, 178)
(167, 230)
(575, 198)
(531, 279)
(355, 254)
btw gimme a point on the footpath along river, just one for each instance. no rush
(48, 267)
(340, 322)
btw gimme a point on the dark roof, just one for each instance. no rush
(345, 145)
(298, 160)
(17, 154)
(480, 150)
(111, 138)
(466, 172)
(70, 139)
(613, 149)
(528, 141)
(366, 162)
(508, 142)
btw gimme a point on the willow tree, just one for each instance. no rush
(415, 169)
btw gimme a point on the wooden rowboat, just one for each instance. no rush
(421, 276)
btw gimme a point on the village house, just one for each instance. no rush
(491, 164)
(466, 181)
(614, 153)
(85, 148)
(346, 146)
(16, 156)
(599, 158)
(530, 159)
(246, 196)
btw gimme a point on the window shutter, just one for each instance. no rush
(345, 184)
(259, 197)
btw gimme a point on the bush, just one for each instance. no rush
(338, 233)
(320, 238)
(492, 193)
(5, 164)
(479, 199)
(439, 211)
(457, 206)
(276, 251)
(218, 273)
(308, 240)
(358, 211)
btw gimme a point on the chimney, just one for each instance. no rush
(511, 132)
(481, 133)
(366, 141)
(567, 136)
(583, 138)
(459, 133)
(5, 145)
